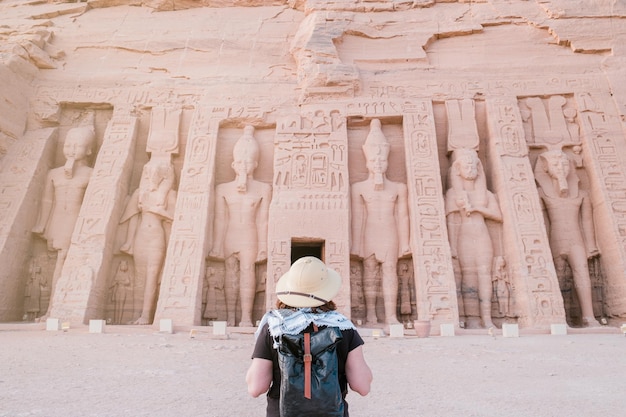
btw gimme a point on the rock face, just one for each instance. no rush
(458, 162)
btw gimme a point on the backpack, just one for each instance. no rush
(315, 392)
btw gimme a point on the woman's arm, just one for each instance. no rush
(259, 376)
(358, 373)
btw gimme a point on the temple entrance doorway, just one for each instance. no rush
(301, 248)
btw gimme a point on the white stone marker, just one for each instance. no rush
(53, 324)
(166, 326)
(396, 330)
(446, 329)
(97, 326)
(558, 329)
(219, 328)
(510, 330)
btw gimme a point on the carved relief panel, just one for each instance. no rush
(310, 186)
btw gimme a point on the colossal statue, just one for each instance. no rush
(468, 205)
(149, 214)
(569, 219)
(63, 196)
(380, 226)
(240, 228)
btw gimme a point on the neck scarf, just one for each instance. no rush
(286, 321)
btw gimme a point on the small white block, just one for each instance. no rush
(166, 326)
(97, 326)
(219, 328)
(396, 330)
(510, 330)
(53, 324)
(446, 329)
(558, 329)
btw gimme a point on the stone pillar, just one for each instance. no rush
(526, 247)
(21, 178)
(435, 289)
(604, 154)
(180, 296)
(81, 289)
(311, 195)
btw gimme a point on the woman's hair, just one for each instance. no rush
(329, 306)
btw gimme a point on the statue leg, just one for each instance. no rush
(150, 294)
(231, 284)
(370, 273)
(390, 291)
(582, 283)
(469, 288)
(58, 267)
(485, 292)
(247, 291)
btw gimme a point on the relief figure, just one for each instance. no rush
(149, 214)
(380, 226)
(64, 191)
(240, 228)
(469, 204)
(120, 291)
(569, 219)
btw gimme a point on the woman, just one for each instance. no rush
(305, 295)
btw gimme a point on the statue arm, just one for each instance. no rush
(453, 220)
(588, 228)
(492, 211)
(358, 217)
(262, 222)
(402, 219)
(219, 229)
(47, 202)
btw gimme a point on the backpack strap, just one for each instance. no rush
(308, 358)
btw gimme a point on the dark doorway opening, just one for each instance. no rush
(300, 248)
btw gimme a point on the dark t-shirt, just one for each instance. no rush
(264, 349)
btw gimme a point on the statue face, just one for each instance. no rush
(243, 166)
(468, 166)
(377, 158)
(77, 144)
(558, 165)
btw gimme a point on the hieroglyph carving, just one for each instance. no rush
(434, 279)
(81, 289)
(604, 149)
(536, 297)
(310, 185)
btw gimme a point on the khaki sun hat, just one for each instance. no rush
(308, 283)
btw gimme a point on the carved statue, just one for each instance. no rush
(33, 293)
(570, 223)
(121, 288)
(149, 214)
(468, 205)
(502, 285)
(240, 229)
(380, 226)
(63, 196)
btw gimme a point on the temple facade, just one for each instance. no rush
(458, 162)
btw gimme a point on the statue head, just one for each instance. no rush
(466, 163)
(245, 157)
(376, 150)
(554, 174)
(78, 145)
(466, 166)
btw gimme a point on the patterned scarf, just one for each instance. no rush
(294, 322)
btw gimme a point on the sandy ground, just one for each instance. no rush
(138, 371)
